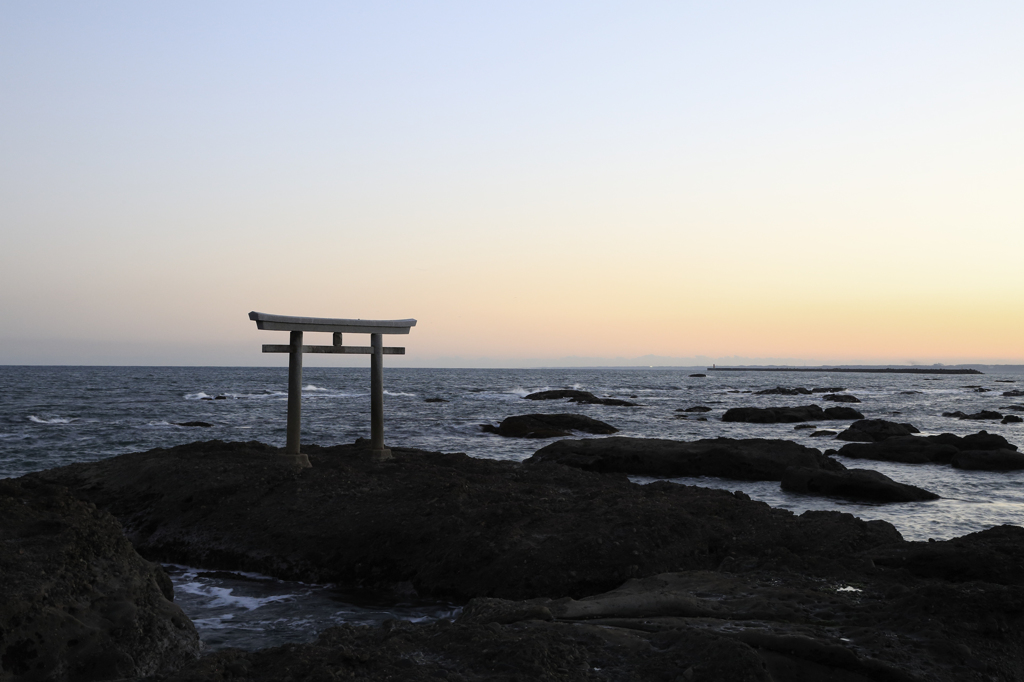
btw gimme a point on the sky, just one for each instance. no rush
(536, 183)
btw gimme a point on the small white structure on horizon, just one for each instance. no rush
(336, 326)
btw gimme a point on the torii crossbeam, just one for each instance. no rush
(376, 350)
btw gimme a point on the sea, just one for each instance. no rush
(53, 416)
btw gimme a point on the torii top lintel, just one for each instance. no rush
(330, 324)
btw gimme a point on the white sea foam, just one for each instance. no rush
(196, 396)
(409, 395)
(311, 387)
(51, 420)
(218, 597)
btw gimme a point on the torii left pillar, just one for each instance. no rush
(295, 348)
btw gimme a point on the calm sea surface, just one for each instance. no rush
(52, 416)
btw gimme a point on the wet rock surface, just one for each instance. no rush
(574, 575)
(788, 415)
(941, 449)
(903, 612)
(548, 426)
(77, 602)
(582, 397)
(854, 484)
(752, 459)
(872, 430)
(841, 398)
(989, 460)
(451, 525)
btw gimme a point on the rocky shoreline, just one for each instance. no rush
(569, 574)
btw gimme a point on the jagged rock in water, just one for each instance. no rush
(871, 430)
(854, 484)
(582, 397)
(751, 459)
(841, 398)
(548, 426)
(989, 460)
(784, 415)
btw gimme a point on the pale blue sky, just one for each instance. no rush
(829, 181)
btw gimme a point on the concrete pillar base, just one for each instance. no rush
(299, 460)
(381, 455)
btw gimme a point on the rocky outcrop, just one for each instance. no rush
(873, 430)
(548, 426)
(77, 602)
(940, 449)
(450, 524)
(1015, 393)
(582, 397)
(984, 414)
(905, 449)
(1012, 419)
(695, 408)
(698, 376)
(989, 460)
(751, 459)
(788, 415)
(854, 484)
(903, 612)
(199, 424)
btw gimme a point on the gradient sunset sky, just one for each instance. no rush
(817, 182)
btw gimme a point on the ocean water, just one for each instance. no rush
(51, 416)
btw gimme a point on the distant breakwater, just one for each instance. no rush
(860, 370)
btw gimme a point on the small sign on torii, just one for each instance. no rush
(376, 350)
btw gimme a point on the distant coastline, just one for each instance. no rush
(861, 370)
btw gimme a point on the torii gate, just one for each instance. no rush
(376, 350)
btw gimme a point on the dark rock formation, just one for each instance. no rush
(804, 426)
(911, 392)
(854, 484)
(983, 440)
(841, 398)
(823, 433)
(784, 415)
(871, 430)
(984, 414)
(832, 389)
(941, 449)
(1015, 393)
(76, 601)
(752, 459)
(698, 376)
(548, 426)
(695, 408)
(989, 460)
(582, 397)
(906, 449)
(781, 390)
(435, 400)
(1012, 419)
(202, 424)
(692, 626)
(450, 524)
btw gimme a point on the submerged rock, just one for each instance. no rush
(823, 433)
(1012, 419)
(784, 415)
(1015, 393)
(435, 400)
(698, 376)
(695, 408)
(751, 459)
(548, 426)
(832, 389)
(78, 603)
(582, 397)
(854, 484)
(201, 424)
(871, 430)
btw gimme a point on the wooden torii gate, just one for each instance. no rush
(376, 350)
